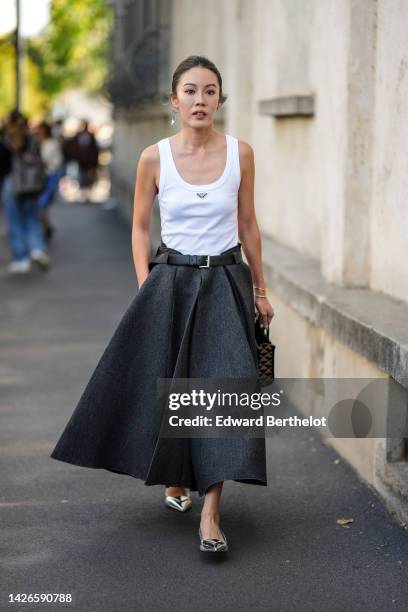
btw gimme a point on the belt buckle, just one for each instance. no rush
(207, 265)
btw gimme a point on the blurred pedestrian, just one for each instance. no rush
(20, 191)
(57, 131)
(5, 156)
(52, 158)
(86, 152)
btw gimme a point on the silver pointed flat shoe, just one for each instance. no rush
(181, 503)
(213, 545)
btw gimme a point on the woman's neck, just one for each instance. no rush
(193, 139)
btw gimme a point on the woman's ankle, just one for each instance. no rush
(210, 526)
(175, 491)
(211, 516)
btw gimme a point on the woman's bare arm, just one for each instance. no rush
(145, 193)
(248, 229)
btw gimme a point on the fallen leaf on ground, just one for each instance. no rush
(344, 521)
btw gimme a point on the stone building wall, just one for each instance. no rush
(317, 87)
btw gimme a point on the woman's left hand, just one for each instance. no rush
(265, 310)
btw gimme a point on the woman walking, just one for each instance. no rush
(52, 157)
(20, 191)
(193, 316)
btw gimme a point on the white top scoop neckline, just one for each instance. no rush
(206, 186)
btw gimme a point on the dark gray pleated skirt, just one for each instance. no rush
(184, 322)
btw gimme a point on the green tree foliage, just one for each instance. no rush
(34, 101)
(73, 47)
(7, 76)
(71, 51)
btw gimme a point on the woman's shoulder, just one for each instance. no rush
(149, 163)
(245, 149)
(246, 153)
(150, 154)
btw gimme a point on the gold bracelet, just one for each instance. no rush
(260, 294)
(265, 289)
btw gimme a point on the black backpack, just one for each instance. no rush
(28, 171)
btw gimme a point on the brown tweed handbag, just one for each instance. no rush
(266, 353)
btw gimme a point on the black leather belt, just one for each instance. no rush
(234, 256)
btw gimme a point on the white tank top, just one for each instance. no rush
(199, 219)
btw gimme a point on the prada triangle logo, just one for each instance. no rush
(202, 195)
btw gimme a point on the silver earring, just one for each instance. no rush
(173, 116)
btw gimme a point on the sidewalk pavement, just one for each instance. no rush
(107, 538)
